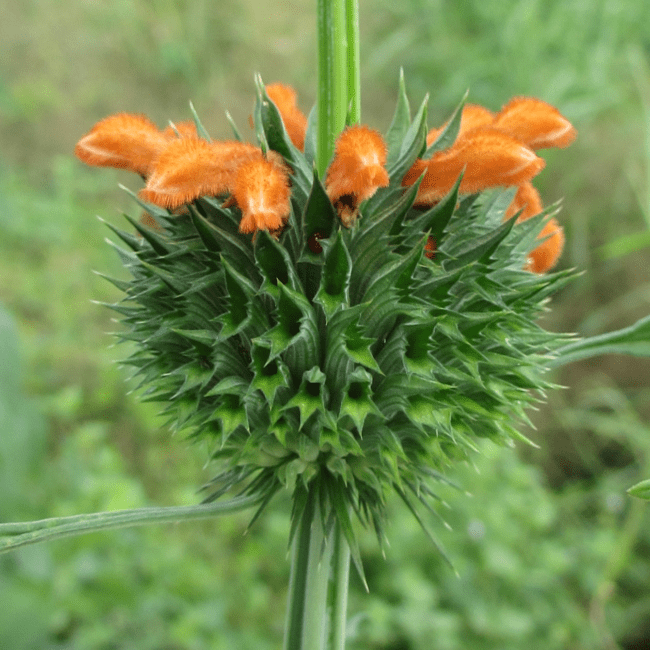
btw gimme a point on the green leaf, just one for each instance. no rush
(275, 264)
(640, 490)
(333, 293)
(400, 123)
(319, 216)
(633, 340)
(200, 129)
(234, 128)
(357, 403)
(413, 145)
(158, 243)
(449, 134)
(311, 395)
(270, 374)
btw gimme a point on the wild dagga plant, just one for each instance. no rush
(340, 314)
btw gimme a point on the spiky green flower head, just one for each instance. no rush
(359, 345)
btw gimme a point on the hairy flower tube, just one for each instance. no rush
(347, 338)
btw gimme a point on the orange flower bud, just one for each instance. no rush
(357, 170)
(535, 123)
(527, 199)
(489, 157)
(190, 168)
(471, 117)
(263, 195)
(295, 122)
(124, 141)
(545, 256)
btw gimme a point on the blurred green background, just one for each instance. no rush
(550, 551)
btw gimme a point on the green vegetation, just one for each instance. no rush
(551, 552)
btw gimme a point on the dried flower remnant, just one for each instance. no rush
(263, 195)
(295, 122)
(356, 171)
(190, 168)
(488, 157)
(124, 141)
(535, 123)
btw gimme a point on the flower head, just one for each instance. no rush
(357, 170)
(124, 141)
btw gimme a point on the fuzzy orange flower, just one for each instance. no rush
(124, 141)
(535, 123)
(489, 157)
(190, 168)
(471, 117)
(546, 255)
(263, 195)
(295, 122)
(526, 199)
(356, 171)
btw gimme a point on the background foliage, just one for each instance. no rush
(551, 552)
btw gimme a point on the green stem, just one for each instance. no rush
(354, 68)
(310, 568)
(15, 535)
(338, 598)
(332, 77)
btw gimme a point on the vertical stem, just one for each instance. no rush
(332, 78)
(354, 69)
(306, 627)
(338, 597)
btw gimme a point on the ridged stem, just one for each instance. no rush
(338, 597)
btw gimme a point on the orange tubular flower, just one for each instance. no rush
(472, 117)
(263, 195)
(124, 141)
(489, 157)
(190, 168)
(295, 122)
(535, 123)
(545, 256)
(527, 199)
(356, 171)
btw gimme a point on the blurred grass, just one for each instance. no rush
(551, 552)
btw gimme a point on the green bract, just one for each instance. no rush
(340, 360)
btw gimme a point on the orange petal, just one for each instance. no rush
(263, 195)
(124, 141)
(548, 252)
(185, 129)
(295, 122)
(189, 168)
(536, 123)
(527, 199)
(489, 157)
(430, 248)
(358, 165)
(472, 117)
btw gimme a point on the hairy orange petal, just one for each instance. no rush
(536, 123)
(490, 159)
(472, 117)
(189, 168)
(545, 256)
(358, 165)
(124, 141)
(430, 248)
(295, 122)
(263, 195)
(527, 199)
(185, 129)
